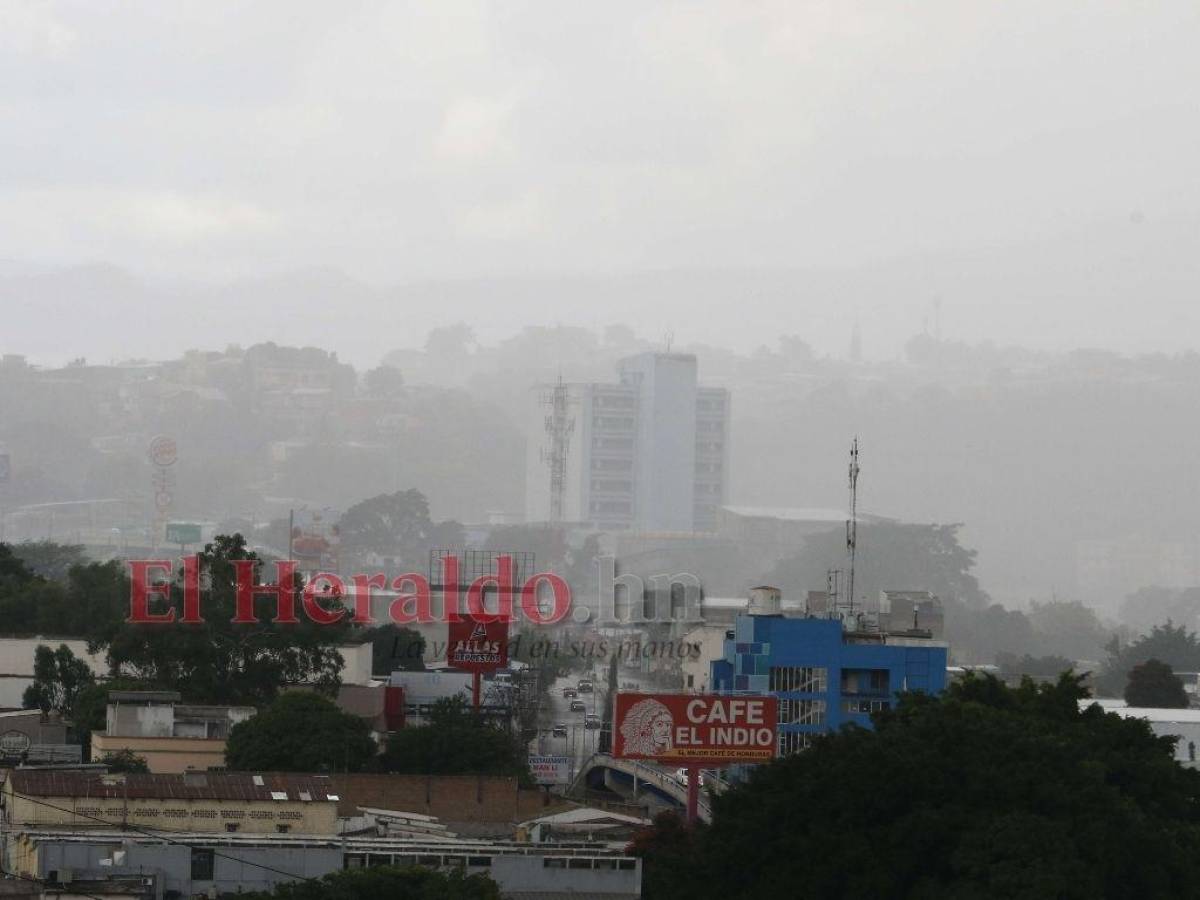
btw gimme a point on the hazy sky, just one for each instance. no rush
(410, 142)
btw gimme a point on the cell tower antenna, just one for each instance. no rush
(852, 524)
(559, 427)
(833, 579)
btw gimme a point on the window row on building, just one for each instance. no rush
(805, 679)
(793, 742)
(801, 712)
(864, 706)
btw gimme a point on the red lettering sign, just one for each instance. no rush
(477, 646)
(695, 729)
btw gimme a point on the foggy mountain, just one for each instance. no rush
(1124, 285)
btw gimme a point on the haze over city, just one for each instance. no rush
(1027, 167)
(826, 372)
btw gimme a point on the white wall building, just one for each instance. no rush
(649, 452)
(1182, 724)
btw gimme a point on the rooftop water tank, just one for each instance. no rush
(765, 601)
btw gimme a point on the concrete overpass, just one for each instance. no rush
(638, 782)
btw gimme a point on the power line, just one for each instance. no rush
(157, 835)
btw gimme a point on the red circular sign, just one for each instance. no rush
(162, 451)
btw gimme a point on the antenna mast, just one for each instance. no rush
(852, 524)
(559, 427)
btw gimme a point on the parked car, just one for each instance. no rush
(569, 692)
(559, 730)
(681, 775)
(591, 721)
(585, 687)
(578, 706)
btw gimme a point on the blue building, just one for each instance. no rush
(824, 675)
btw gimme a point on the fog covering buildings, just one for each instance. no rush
(649, 452)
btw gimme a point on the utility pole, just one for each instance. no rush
(852, 524)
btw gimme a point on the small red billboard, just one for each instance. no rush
(477, 646)
(695, 729)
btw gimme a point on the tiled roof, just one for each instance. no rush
(200, 786)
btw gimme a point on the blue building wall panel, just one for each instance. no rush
(855, 678)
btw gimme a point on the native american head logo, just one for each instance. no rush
(647, 728)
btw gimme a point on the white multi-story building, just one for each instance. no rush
(649, 452)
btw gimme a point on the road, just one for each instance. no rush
(580, 742)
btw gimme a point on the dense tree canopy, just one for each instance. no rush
(125, 760)
(1168, 643)
(901, 556)
(456, 742)
(983, 792)
(1153, 684)
(396, 649)
(1153, 605)
(220, 661)
(396, 527)
(49, 559)
(300, 732)
(896, 556)
(72, 600)
(58, 679)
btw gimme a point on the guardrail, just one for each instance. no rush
(649, 774)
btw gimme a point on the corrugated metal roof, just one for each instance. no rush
(195, 786)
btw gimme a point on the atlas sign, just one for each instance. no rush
(695, 729)
(477, 646)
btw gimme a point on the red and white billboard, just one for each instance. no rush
(695, 729)
(477, 646)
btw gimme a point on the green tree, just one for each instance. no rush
(1148, 606)
(384, 883)
(1039, 666)
(1068, 629)
(300, 732)
(125, 761)
(456, 741)
(49, 559)
(90, 712)
(14, 572)
(924, 557)
(1169, 643)
(66, 597)
(58, 677)
(1153, 684)
(390, 525)
(220, 661)
(97, 597)
(667, 850)
(384, 381)
(395, 648)
(450, 341)
(986, 791)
